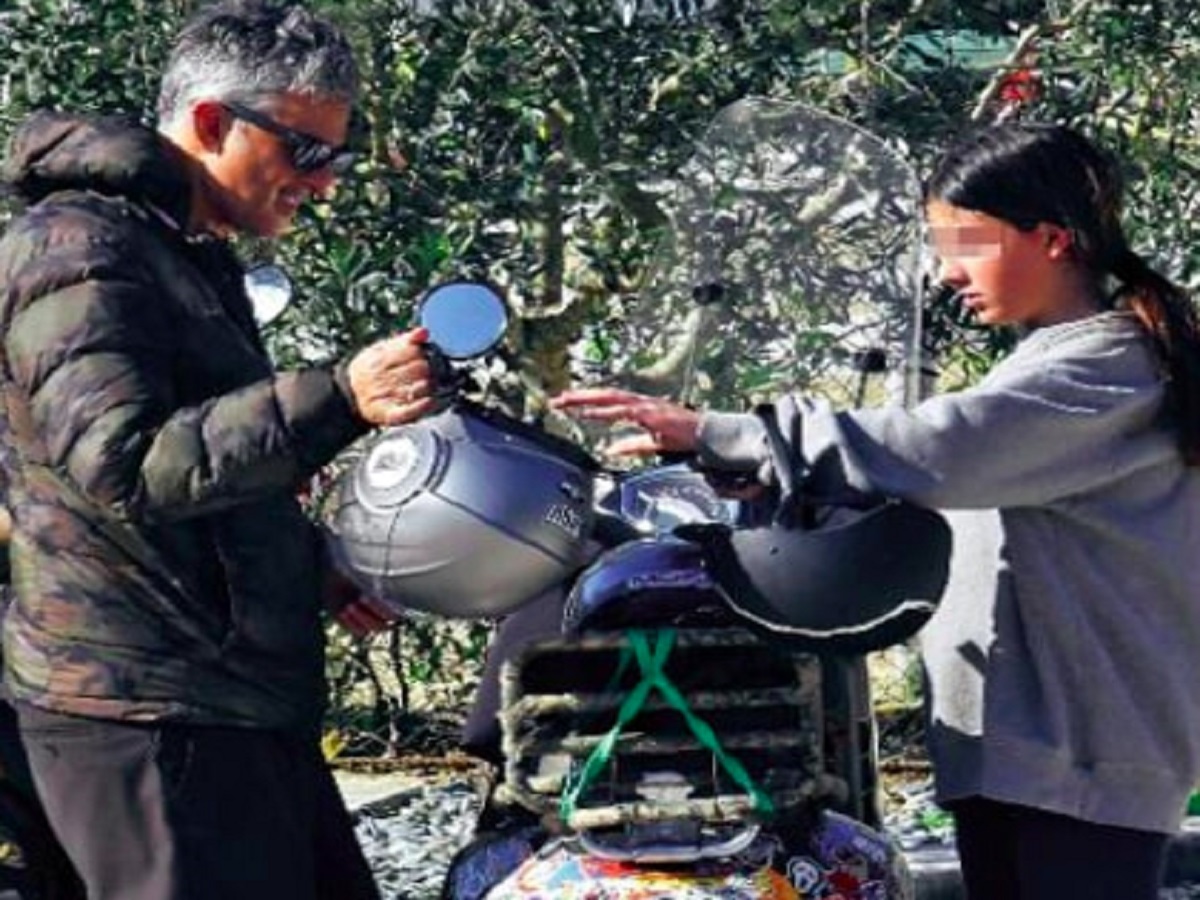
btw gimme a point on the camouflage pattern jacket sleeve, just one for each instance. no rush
(162, 566)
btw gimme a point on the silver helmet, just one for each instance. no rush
(468, 513)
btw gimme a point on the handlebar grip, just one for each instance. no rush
(439, 364)
(676, 457)
(611, 530)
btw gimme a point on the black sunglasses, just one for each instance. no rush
(307, 153)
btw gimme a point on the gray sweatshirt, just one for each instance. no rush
(1064, 662)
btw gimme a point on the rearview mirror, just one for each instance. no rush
(465, 319)
(270, 291)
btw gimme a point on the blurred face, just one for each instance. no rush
(260, 168)
(1004, 275)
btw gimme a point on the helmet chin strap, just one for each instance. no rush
(792, 510)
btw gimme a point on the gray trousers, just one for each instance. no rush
(181, 812)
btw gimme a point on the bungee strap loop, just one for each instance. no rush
(651, 650)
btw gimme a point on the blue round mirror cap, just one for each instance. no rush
(465, 319)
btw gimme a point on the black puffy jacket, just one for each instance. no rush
(162, 566)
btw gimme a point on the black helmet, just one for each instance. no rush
(468, 513)
(852, 573)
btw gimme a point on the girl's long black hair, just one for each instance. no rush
(1026, 173)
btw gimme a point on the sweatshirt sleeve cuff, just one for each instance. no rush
(731, 442)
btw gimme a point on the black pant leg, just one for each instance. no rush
(986, 835)
(1058, 856)
(342, 872)
(92, 779)
(1012, 852)
(173, 812)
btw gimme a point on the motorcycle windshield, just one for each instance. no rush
(792, 263)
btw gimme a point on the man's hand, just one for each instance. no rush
(358, 613)
(391, 381)
(365, 616)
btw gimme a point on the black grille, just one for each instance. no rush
(560, 698)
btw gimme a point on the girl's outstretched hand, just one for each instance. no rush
(669, 427)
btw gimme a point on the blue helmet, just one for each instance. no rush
(649, 583)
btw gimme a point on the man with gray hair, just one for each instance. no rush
(164, 648)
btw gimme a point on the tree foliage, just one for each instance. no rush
(534, 142)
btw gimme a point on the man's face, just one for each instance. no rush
(253, 185)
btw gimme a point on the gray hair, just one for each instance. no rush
(243, 49)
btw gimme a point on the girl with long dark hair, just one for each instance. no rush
(1063, 690)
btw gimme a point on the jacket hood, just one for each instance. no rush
(112, 155)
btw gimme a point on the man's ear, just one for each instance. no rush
(1057, 240)
(210, 123)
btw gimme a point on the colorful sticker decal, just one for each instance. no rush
(482, 865)
(840, 859)
(846, 860)
(564, 874)
(807, 876)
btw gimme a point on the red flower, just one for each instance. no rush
(1020, 86)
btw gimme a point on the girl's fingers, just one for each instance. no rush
(592, 397)
(618, 413)
(635, 445)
